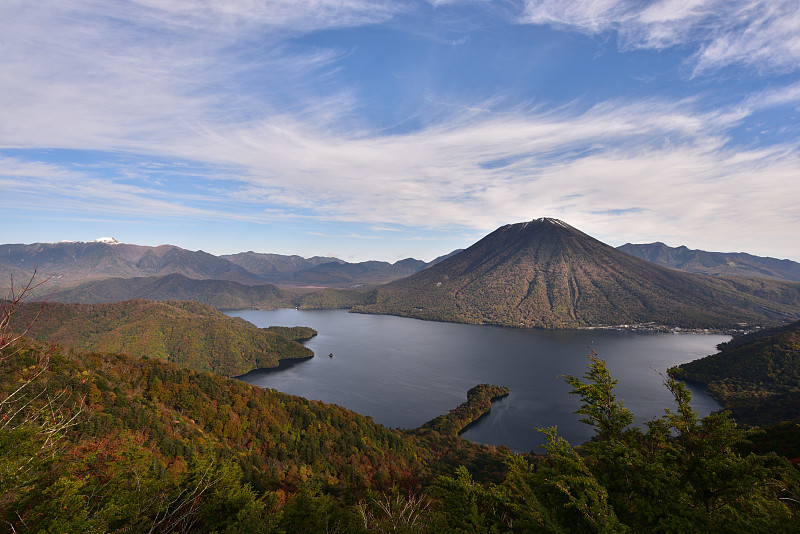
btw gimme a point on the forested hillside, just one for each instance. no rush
(220, 294)
(295, 333)
(479, 403)
(139, 445)
(756, 376)
(190, 334)
(331, 298)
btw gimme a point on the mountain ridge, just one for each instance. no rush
(714, 263)
(70, 264)
(221, 294)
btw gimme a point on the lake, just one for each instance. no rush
(404, 372)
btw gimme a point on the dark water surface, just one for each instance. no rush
(404, 372)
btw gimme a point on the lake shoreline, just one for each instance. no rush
(405, 372)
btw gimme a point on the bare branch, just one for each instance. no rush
(9, 306)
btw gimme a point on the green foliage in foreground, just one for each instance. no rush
(678, 474)
(145, 446)
(756, 377)
(97, 442)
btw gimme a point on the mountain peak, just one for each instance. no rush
(539, 223)
(551, 220)
(546, 273)
(106, 240)
(536, 229)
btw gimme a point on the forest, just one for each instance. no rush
(188, 333)
(756, 376)
(95, 441)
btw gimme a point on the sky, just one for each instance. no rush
(372, 129)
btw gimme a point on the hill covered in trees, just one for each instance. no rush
(221, 294)
(545, 273)
(184, 332)
(756, 376)
(141, 445)
(479, 403)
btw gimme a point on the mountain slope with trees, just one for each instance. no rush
(221, 294)
(67, 264)
(187, 333)
(545, 273)
(142, 445)
(104, 442)
(756, 376)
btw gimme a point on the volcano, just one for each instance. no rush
(545, 273)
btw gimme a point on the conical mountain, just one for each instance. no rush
(545, 273)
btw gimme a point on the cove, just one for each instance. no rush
(403, 372)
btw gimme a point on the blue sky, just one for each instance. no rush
(371, 129)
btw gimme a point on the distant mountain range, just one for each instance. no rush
(320, 271)
(542, 273)
(70, 264)
(545, 273)
(221, 294)
(715, 263)
(276, 267)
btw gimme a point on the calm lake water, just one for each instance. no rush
(404, 372)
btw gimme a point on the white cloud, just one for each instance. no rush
(124, 75)
(622, 171)
(762, 34)
(656, 157)
(82, 76)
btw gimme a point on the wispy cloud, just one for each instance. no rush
(123, 75)
(662, 158)
(188, 122)
(759, 33)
